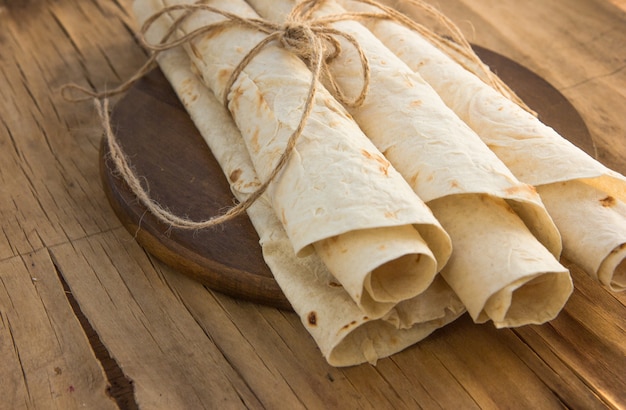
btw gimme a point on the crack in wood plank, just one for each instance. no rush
(120, 386)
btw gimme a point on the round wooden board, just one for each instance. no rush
(167, 151)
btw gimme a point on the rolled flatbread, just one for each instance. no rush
(448, 165)
(344, 334)
(585, 199)
(337, 194)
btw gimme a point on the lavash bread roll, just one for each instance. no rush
(476, 254)
(336, 188)
(447, 164)
(343, 333)
(585, 198)
(593, 227)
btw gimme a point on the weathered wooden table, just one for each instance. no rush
(88, 319)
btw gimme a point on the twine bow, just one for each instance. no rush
(311, 39)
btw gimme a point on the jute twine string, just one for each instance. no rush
(313, 41)
(453, 43)
(309, 38)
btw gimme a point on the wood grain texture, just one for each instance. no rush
(46, 358)
(183, 346)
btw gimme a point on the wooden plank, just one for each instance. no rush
(480, 361)
(47, 360)
(271, 351)
(52, 171)
(567, 385)
(584, 346)
(220, 317)
(146, 328)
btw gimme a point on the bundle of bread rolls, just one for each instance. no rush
(434, 196)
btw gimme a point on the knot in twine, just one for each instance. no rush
(297, 38)
(311, 39)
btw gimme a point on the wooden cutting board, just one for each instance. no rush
(181, 174)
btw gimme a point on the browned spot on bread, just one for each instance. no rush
(223, 75)
(347, 326)
(254, 141)
(312, 319)
(334, 284)
(234, 176)
(416, 103)
(260, 103)
(391, 215)
(608, 202)
(521, 189)
(384, 164)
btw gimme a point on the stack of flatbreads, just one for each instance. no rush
(393, 217)
(585, 199)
